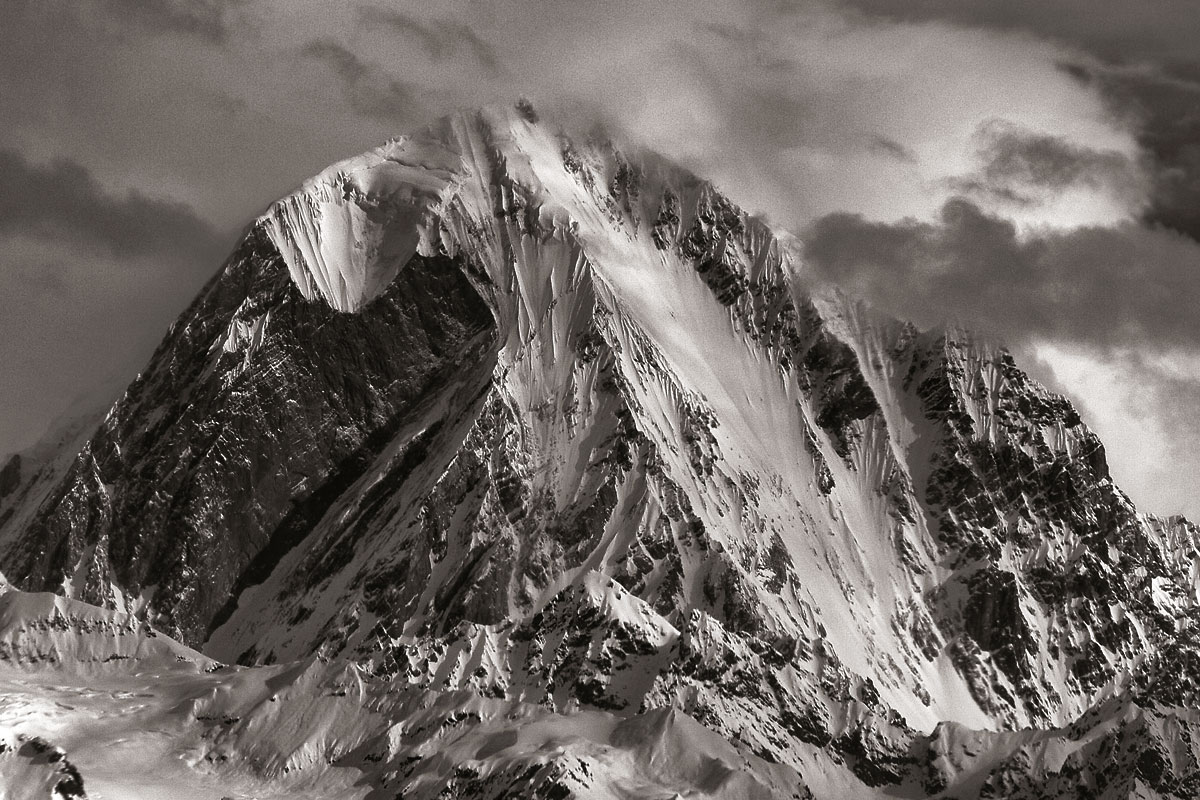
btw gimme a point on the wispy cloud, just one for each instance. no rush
(369, 91)
(1142, 56)
(205, 19)
(440, 38)
(892, 149)
(1027, 168)
(1126, 286)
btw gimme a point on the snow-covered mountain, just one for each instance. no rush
(551, 446)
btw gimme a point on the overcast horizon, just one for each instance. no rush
(1033, 172)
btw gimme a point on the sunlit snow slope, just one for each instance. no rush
(492, 413)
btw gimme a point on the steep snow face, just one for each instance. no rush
(347, 232)
(488, 410)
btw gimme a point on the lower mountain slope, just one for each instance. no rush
(156, 719)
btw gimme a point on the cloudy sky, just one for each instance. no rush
(1030, 168)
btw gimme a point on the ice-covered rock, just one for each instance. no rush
(347, 232)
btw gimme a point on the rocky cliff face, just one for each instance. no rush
(491, 411)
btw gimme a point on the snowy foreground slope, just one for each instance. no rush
(95, 704)
(548, 453)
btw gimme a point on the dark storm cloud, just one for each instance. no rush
(1025, 168)
(206, 19)
(62, 202)
(1114, 30)
(1168, 106)
(1149, 67)
(369, 91)
(1100, 287)
(1013, 154)
(441, 39)
(47, 278)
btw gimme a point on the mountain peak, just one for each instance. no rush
(505, 417)
(347, 232)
